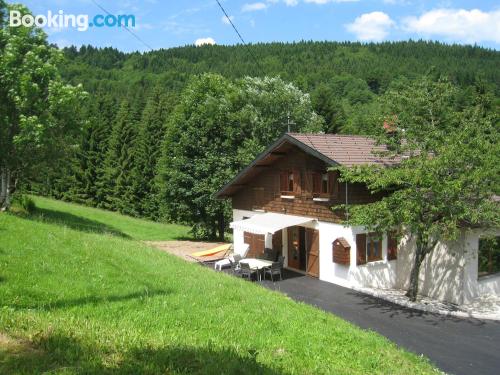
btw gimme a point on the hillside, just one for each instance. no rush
(140, 105)
(78, 301)
(307, 64)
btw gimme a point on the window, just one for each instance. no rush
(368, 248)
(290, 181)
(488, 256)
(321, 183)
(373, 247)
(324, 183)
(392, 245)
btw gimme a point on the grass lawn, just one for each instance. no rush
(102, 221)
(77, 302)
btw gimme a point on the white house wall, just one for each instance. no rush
(238, 237)
(329, 271)
(441, 273)
(449, 273)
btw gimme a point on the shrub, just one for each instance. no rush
(26, 203)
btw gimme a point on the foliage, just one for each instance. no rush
(25, 202)
(489, 255)
(119, 161)
(39, 111)
(94, 303)
(147, 153)
(449, 169)
(345, 82)
(215, 130)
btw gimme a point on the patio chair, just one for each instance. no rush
(281, 259)
(274, 269)
(234, 261)
(246, 271)
(270, 254)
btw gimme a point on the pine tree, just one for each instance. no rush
(149, 139)
(119, 162)
(88, 163)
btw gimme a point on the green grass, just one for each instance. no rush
(77, 302)
(102, 221)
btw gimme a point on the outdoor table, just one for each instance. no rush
(257, 264)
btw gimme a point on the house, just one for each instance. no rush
(283, 200)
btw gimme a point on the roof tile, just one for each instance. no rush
(347, 150)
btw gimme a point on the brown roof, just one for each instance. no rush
(347, 150)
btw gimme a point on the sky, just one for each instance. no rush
(165, 24)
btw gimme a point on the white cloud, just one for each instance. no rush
(252, 7)
(457, 24)
(202, 41)
(226, 20)
(371, 26)
(291, 3)
(321, 2)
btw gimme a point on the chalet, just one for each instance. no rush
(283, 200)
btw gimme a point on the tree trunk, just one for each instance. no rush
(4, 189)
(422, 249)
(221, 226)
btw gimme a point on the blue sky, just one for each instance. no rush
(164, 24)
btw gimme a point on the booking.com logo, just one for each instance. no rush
(61, 20)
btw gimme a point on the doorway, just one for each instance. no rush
(303, 250)
(297, 248)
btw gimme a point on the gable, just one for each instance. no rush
(282, 148)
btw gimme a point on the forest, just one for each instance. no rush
(162, 131)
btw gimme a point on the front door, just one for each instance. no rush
(296, 248)
(312, 252)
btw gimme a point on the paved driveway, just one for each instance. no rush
(455, 345)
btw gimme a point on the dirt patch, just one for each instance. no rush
(184, 249)
(11, 346)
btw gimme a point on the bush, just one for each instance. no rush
(26, 203)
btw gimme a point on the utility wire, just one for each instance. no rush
(241, 38)
(125, 27)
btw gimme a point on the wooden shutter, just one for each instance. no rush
(316, 179)
(278, 242)
(361, 248)
(256, 244)
(283, 181)
(312, 252)
(296, 181)
(332, 184)
(392, 246)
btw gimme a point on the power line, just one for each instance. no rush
(125, 27)
(239, 36)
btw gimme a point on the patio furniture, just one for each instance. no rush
(214, 255)
(228, 262)
(257, 265)
(235, 263)
(274, 269)
(247, 271)
(270, 254)
(281, 259)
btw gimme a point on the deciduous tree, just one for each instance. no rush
(448, 174)
(39, 113)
